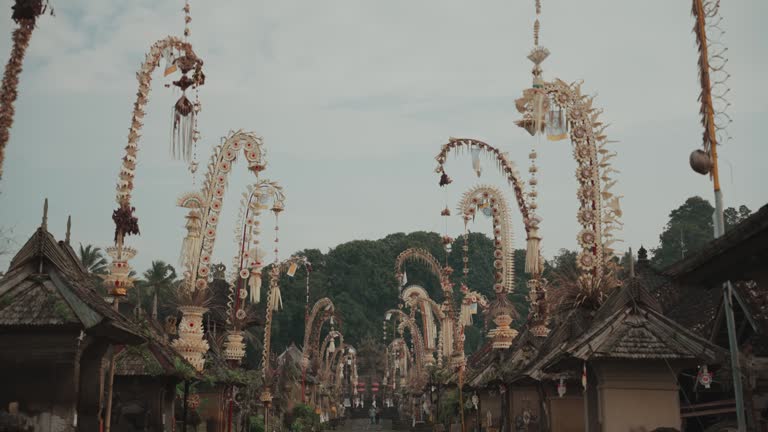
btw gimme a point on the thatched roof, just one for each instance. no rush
(153, 358)
(630, 325)
(44, 286)
(292, 354)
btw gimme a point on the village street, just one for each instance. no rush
(358, 425)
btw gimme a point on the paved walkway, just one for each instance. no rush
(365, 425)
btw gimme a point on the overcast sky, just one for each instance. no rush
(354, 98)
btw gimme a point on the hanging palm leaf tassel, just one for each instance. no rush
(532, 262)
(275, 299)
(183, 129)
(254, 285)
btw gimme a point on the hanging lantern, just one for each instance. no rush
(555, 124)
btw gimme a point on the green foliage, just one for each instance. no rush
(733, 217)
(151, 365)
(690, 227)
(62, 310)
(183, 369)
(93, 259)
(159, 280)
(449, 406)
(359, 277)
(256, 423)
(304, 419)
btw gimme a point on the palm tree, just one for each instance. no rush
(25, 13)
(93, 259)
(159, 279)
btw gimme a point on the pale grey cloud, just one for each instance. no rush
(354, 98)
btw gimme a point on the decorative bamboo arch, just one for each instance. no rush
(422, 256)
(504, 252)
(248, 262)
(125, 222)
(599, 212)
(413, 295)
(406, 322)
(506, 166)
(349, 353)
(274, 292)
(324, 304)
(205, 206)
(333, 334)
(325, 316)
(452, 343)
(416, 297)
(398, 345)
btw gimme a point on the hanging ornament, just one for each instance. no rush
(254, 285)
(183, 113)
(704, 377)
(193, 240)
(169, 57)
(561, 389)
(444, 179)
(292, 269)
(476, 161)
(555, 123)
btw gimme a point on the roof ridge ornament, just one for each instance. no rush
(44, 223)
(68, 235)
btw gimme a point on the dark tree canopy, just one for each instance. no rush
(690, 227)
(359, 277)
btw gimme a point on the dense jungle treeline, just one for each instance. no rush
(359, 275)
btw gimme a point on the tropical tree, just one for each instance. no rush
(25, 13)
(93, 259)
(689, 228)
(158, 282)
(734, 217)
(6, 241)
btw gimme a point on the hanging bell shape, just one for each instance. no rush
(332, 346)
(528, 124)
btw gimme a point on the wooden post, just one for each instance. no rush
(461, 398)
(111, 382)
(184, 410)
